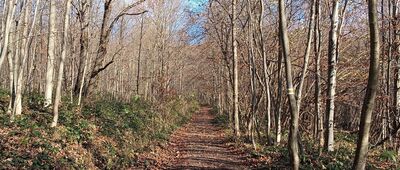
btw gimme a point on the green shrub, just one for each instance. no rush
(43, 161)
(388, 155)
(4, 99)
(221, 119)
(214, 110)
(35, 101)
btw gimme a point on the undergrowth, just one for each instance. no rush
(105, 134)
(271, 156)
(219, 119)
(277, 156)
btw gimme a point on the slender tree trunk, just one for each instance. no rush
(9, 20)
(386, 126)
(294, 113)
(306, 54)
(139, 56)
(396, 50)
(317, 53)
(10, 56)
(19, 66)
(332, 61)
(235, 71)
(83, 11)
(278, 114)
(372, 87)
(265, 71)
(4, 13)
(62, 60)
(82, 82)
(26, 43)
(50, 55)
(252, 69)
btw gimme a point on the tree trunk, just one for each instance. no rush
(50, 55)
(332, 61)
(10, 56)
(396, 49)
(62, 60)
(294, 113)
(253, 72)
(278, 114)
(235, 71)
(306, 54)
(369, 100)
(139, 57)
(9, 20)
(83, 11)
(26, 43)
(317, 53)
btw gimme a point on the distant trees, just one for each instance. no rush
(82, 49)
(234, 54)
(315, 73)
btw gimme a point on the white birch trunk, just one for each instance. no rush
(62, 60)
(330, 103)
(10, 15)
(50, 55)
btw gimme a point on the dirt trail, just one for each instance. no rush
(200, 145)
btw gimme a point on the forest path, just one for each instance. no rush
(202, 145)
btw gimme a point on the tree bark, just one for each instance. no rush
(294, 113)
(306, 53)
(82, 13)
(332, 61)
(9, 19)
(278, 114)
(50, 55)
(62, 60)
(139, 57)
(369, 100)
(317, 53)
(235, 71)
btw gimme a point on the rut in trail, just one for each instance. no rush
(201, 145)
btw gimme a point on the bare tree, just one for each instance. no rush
(139, 56)
(306, 53)
(105, 31)
(372, 88)
(12, 4)
(25, 44)
(62, 61)
(50, 55)
(235, 71)
(319, 122)
(332, 61)
(294, 112)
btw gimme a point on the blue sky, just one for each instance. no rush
(196, 30)
(196, 5)
(194, 8)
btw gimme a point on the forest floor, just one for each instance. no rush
(198, 145)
